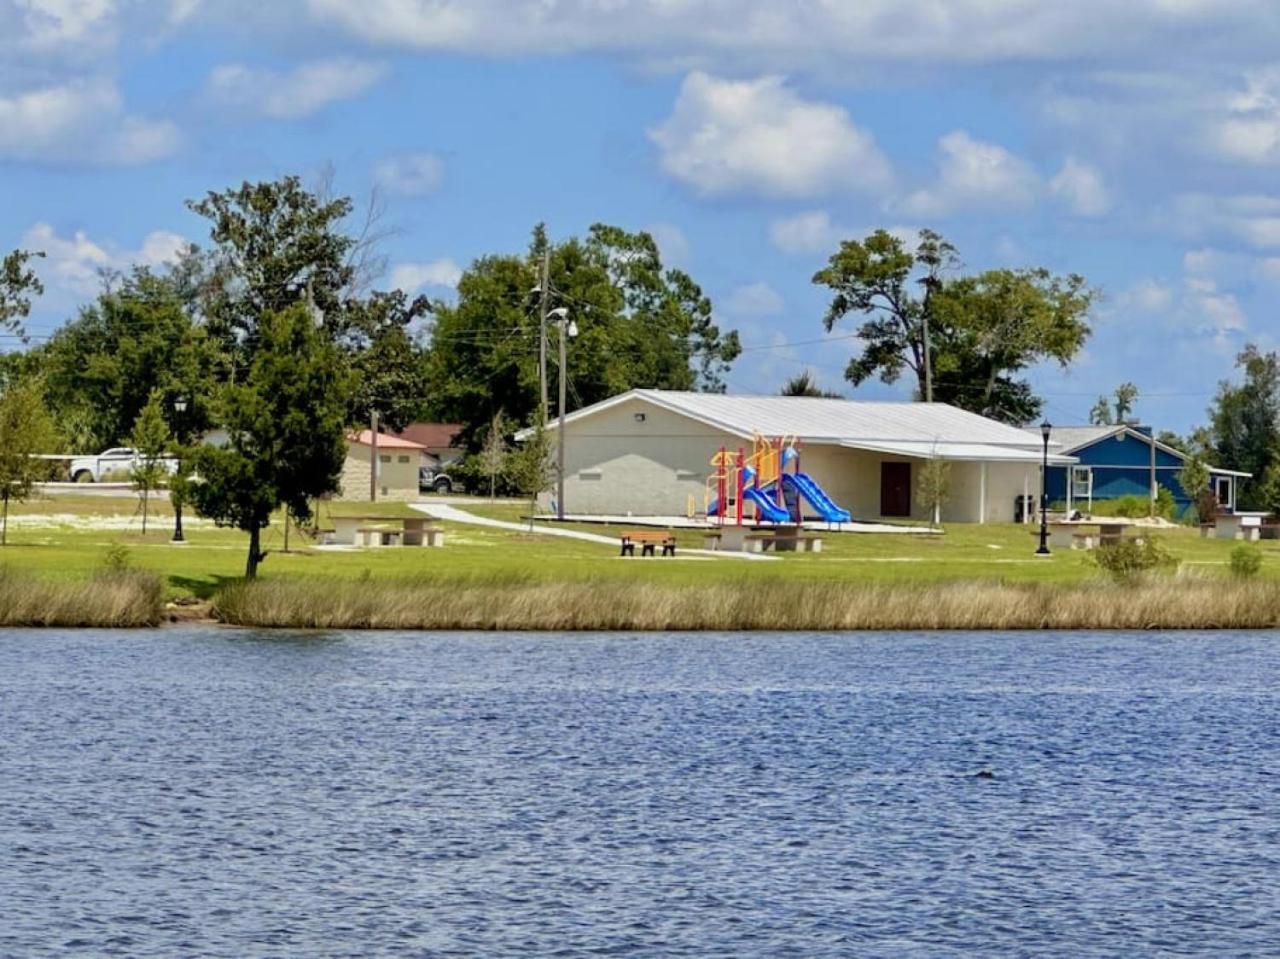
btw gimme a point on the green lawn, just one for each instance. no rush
(69, 536)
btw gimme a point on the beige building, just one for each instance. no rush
(398, 463)
(648, 452)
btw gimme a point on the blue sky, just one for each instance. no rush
(1137, 144)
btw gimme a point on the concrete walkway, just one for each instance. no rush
(452, 514)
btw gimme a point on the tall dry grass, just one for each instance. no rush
(110, 598)
(1157, 603)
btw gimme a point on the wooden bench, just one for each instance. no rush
(324, 535)
(648, 539)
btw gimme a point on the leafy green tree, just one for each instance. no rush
(1194, 479)
(18, 286)
(285, 419)
(1245, 419)
(983, 330)
(805, 384)
(278, 245)
(1104, 413)
(1100, 415)
(389, 367)
(531, 466)
(640, 325)
(25, 430)
(934, 486)
(150, 439)
(137, 338)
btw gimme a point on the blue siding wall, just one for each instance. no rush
(1122, 467)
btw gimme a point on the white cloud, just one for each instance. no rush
(414, 174)
(1252, 219)
(1270, 269)
(974, 174)
(755, 299)
(1079, 187)
(1250, 130)
(81, 122)
(74, 264)
(412, 277)
(814, 232)
(673, 245)
(44, 25)
(1147, 296)
(825, 35)
(293, 95)
(808, 232)
(759, 136)
(1208, 309)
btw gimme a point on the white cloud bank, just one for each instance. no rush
(759, 136)
(295, 94)
(1079, 187)
(74, 264)
(81, 122)
(413, 277)
(975, 174)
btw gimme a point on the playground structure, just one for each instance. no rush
(762, 480)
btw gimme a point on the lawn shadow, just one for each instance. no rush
(202, 587)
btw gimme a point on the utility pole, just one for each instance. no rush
(929, 283)
(545, 286)
(1155, 486)
(564, 337)
(373, 457)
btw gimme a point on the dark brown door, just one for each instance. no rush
(895, 489)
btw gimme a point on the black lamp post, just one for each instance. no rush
(1045, 429)
(179, 407)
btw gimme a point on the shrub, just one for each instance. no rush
(1246, 561)
(1136, 507)
(1130, 507)
(1131, 558)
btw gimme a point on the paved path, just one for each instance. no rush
(452, 514)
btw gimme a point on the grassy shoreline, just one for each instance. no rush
(1166, 603)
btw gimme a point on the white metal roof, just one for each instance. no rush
(978, 452)
(913, 429)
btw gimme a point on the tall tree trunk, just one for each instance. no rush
(255, 553)
(146, 500)
(4, 527)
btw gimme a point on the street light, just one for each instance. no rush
(1045, 430)
(179, 407)
(568, 330)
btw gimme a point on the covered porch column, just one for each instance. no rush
(982, 492)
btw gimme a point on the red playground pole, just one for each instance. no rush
(721, 486)
(738, 502)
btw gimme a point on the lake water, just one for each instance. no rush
(229, 793)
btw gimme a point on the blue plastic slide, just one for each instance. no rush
(819, 500)
(769, 510)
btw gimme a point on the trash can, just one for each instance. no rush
(1024, 508)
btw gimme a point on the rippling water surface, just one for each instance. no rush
(230, 793)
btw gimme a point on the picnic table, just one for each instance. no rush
(386, 531)
(781, 538)
(1246, 526)
(1085, 533)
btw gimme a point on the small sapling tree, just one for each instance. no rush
(493, 454)
(933, 486)
(532, 466)
(25, 429)
(149, 438)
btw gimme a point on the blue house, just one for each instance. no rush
(1123, 460)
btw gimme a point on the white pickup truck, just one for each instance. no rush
(114, 464)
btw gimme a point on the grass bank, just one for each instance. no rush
(1184, 602)
(108, 598)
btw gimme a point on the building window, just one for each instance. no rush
(403, 459)
(1081, 482)
(384, 458)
